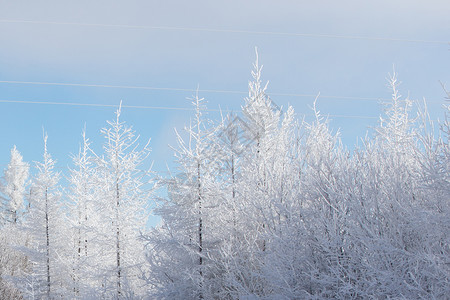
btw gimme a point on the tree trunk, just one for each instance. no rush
(200, 233)
(48, 243)
(118, 241)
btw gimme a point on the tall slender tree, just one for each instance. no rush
(12, 193)
(83, 193)
(45, 226)
(183, 246)
(13, 186)
(123, 201)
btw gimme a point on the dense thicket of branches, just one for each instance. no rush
(261, 207)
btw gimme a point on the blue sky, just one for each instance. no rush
(60, 43)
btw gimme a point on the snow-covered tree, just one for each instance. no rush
(12, 192)
(258, 193)
(45, 226)
(123, 209)
(13, 187)
(183, 247)
(84, 221)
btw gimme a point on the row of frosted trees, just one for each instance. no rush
(82, 241)
(261, 207)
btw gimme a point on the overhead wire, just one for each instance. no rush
(351, 98)
(183, 89)
(239, 31)
(120, 86)
(218, 91)
(154, 107)
(97, 105)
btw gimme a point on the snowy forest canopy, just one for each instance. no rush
(261, 206)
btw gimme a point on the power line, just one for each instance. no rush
(350, 98)
(240, 31)
(94, 105)
(184, 90)
(121, 86)
(156, 107)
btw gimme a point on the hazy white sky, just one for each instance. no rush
(46, 50)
